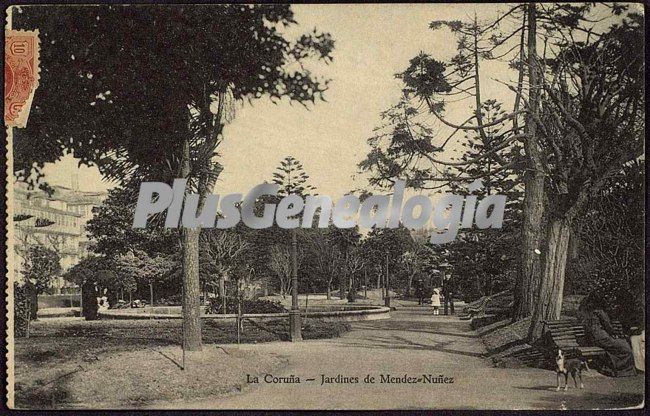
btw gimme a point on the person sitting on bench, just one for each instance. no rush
(599, 329)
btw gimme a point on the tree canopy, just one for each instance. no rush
(124, 108)
(41, 266)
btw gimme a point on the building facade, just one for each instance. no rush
(56, 221)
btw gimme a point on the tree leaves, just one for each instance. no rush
(158, 62)
(41, 266)
(424, 76)
(291, 178)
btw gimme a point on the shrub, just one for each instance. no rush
(311, 328)
(89, 301)
(21, 310)
(172, 300)
(248, 306)
(316, 329)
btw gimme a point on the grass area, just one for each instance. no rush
(505, 341)
(70, 362)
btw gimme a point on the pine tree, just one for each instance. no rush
(482, 259)
(291, 178)
(494, 158)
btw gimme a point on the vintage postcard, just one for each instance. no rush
(325, 206)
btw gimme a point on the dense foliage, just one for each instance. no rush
(610, 248)
(132, 112)
(21, 310)
(41, 266)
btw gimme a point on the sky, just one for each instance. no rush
(373, 43)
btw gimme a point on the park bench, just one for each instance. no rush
(474, 308)
(570, 336)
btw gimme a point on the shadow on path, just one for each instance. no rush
(425, 333)
(440, 347)
(422, 327)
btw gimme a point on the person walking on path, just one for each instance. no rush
(435, 301)
(448, 290)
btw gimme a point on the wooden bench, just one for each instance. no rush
(474, 308)
(570, 336)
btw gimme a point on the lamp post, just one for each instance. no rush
(295, 332)
(365, 283)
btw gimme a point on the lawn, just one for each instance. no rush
(69, 362)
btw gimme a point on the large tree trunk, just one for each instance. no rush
(191, 284)
(191, 290)
(329, 291)
(206, 175)
(549, 303)
(530, 272)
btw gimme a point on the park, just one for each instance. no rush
(295, 210)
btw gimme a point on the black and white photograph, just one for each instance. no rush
(355, 206)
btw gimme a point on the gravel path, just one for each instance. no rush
(412, 343)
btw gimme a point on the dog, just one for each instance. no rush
(566, 366)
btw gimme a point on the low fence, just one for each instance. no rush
(346, 313)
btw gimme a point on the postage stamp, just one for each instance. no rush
(422, 206)
(21, 75)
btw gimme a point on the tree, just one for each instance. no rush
(590, 98)
(484, 262)
(224, 252)
(496, 161)
(291, 177)
(608, 246)
(41, 266)
(135, 118)
(354, 263)
(326, 258)
(85, 270)
(292, 180)
(414, 262)
(111, 229)
(138, 266)
(131, 250)
(568, 93)
(408, 147)
(482, 259)
(384, 247)
(282, 265)
(92, 272)
(345, 239)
